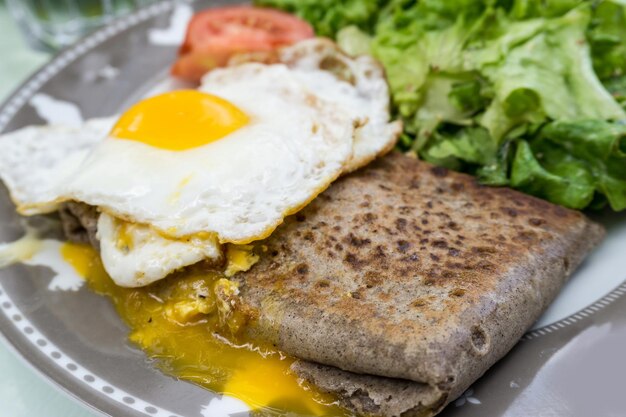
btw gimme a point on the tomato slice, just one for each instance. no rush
(214, 35)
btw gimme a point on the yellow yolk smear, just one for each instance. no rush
(239, 258)
(176, 321)
(79, 256)
(179, 120)
(125, 237)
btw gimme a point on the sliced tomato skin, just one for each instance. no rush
(214, 35)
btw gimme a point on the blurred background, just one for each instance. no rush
(53, 24)
(35, 29)
(18, 58)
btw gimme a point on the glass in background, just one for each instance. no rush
(53, 24)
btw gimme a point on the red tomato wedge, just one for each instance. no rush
(214, 35)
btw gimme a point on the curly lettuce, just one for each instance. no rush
(525, 93)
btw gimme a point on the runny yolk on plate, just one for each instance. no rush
(179, 120)
(177, 321)
(80, 257)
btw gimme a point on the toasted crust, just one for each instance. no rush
(405, 270)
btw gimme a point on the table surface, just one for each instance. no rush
(23, 392)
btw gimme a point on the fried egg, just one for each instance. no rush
(182, 173)
(249, 169)
(357, 84)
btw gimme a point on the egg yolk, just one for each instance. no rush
(179, 120)
(80, 257)
(178, 321)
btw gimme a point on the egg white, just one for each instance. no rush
(148, 256)
(36, 161)
(356, 84)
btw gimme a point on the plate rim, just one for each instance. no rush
(15, 101)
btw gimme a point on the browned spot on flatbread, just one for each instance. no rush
(413, 270)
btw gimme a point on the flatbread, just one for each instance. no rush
(373, 395)
(403, 283)
(408, 271)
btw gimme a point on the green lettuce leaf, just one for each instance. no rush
(607, 36)
(601, 147)
(589, 139)
(565, 180)
(569, 163)
(469, 96)
(549, 76)
(473, 145)
(525, 93)
(617, 87)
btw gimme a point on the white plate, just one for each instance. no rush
(570, 364)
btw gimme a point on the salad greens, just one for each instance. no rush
(525, 93)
